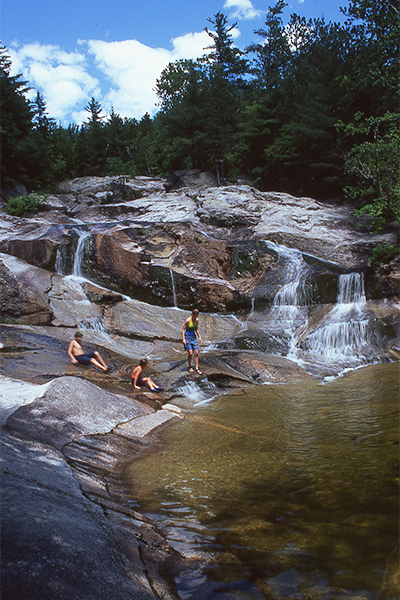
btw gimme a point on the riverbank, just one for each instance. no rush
(69, 527)
(67, 532)
(67, 431)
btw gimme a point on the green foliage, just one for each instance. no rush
(23, 204)
(373, 162)
(243, 262)
(116, 166)
(268, 114)
(223, 51)
(16, 120)
(383, 254)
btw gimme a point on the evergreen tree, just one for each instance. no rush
(16, 123)
(65, 157)
(92, 147)
(272, 54)
(226, 70)
(116, 134)
(223, 51)
(41, 121)
(181, 125)
(372, 85)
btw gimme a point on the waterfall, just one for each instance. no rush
(60, 262)
(173, 288)
(253, 303)
(351, 289)
(89, 314)
(79, 255)
(343, 333)
(345, 336)
(288, 311)
(196, 395)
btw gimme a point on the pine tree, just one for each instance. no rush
(93, 145)
(16, 122)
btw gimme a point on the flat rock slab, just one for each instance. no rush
(61, 537)
(14, 394)
(141, 426)
(73, 407)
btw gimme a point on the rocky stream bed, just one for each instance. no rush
(286, 293)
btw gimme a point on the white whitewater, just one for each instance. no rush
(60, 262)
(173, 288)
(289, 312)
(343, 335)
(89, 314)
(79, 255)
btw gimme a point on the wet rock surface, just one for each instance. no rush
(209, 241)
(146, 256)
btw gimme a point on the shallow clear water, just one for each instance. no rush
(286, 491)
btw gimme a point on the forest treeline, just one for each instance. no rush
(310, 108)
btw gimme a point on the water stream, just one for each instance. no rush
(345, 337)
(289, 311)
(173, 288)
(281, 491)
(344, 334)
(80, 254)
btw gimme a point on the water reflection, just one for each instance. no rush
(281, 491)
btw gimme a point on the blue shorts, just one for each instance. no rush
(84, 359)
(191, 342)
(140, 382)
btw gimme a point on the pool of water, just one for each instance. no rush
(281, 491)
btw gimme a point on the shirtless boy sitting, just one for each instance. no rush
(77, 355)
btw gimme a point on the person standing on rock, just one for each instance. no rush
(190, 333)
(138, 379)
(77, 355)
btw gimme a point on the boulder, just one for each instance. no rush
(116, 186)
(70, 305)
(23, 292)
(12, 190)
(193, 178)
(70, 408)
(66, 534)
(142, 320)
(36, 245)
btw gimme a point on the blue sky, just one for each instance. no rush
(72, 50)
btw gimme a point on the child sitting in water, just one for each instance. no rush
(138, 379)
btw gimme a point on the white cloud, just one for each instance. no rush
(133, 68)
(125, 78)
(242, 9)
(61, 77)
(191, 45)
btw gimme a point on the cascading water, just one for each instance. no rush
(289, 312)
(60, 262)
(89, 315)
(79, 255)
(173, 288)
(343, 335)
